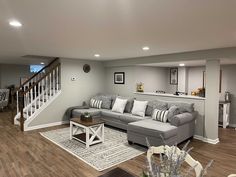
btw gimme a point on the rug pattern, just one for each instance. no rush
(113, 151)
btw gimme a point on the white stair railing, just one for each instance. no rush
(37, 92)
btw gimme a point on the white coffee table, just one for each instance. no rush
(88, 133)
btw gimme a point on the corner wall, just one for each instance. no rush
(73, 92)
(10, 74)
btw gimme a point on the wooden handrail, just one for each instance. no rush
(37, 73)
(34, 84)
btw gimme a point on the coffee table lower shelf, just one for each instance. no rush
(82, 137)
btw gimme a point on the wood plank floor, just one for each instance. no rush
(28, 154)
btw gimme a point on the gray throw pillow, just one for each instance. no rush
(113, 99)
(183, 106)
(173, 110)
(155, 104)
(129, 105)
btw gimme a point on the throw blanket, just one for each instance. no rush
(68, 113)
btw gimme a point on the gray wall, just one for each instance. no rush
(11, 74)
(73, 92)
(153, 78)
(229, 84)
(195, 78)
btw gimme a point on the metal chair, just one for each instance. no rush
(4, 98)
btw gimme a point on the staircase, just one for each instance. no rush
(37, 93)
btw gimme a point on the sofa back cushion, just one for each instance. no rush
(160, 115)
(172, 111)
(155, 104)
(139, 108)
(183, 106)
(94, 103)
(119, 105)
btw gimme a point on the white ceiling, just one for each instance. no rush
(188, 63)
(116, 29)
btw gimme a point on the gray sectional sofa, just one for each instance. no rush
(180, 125)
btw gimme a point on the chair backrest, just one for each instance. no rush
(190, 161)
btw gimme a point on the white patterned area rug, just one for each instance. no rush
(113, 151)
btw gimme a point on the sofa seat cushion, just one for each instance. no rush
(153, 128)
(126, 117)
(92, 111)
(109, 113)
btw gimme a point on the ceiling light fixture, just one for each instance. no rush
(15, 23)
(145, 48)
(97, 55)
(181, 64)
(42, 63)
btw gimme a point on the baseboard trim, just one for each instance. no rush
(46, 125)
(206, 140)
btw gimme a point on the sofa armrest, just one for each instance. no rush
(184, 118)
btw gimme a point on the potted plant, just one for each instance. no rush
(86, 116)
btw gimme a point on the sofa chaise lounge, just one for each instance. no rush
(179, 127)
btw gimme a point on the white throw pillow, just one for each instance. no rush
(160, 115)
(119, 105)
(139, 108)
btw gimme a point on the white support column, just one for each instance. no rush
(212, 100)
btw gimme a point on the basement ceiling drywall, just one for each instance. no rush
(116, 29)
(188, 63)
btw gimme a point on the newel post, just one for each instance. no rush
(21, 106)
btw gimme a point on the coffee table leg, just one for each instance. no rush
(103, 133)
(87, 137)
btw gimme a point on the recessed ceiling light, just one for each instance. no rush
(181, 64)
(96, 55)
(145, 48)
(15, 23)
(42, 63)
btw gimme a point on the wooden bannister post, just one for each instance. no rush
(21, 107)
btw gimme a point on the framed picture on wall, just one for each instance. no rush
(119, 78)
(174, 76)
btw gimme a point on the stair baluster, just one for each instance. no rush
(36, 91)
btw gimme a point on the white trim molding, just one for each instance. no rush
(46, 125)
(206, 140)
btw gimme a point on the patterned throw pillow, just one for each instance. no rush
(96, 103)
(2, 96)
(160, 115)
